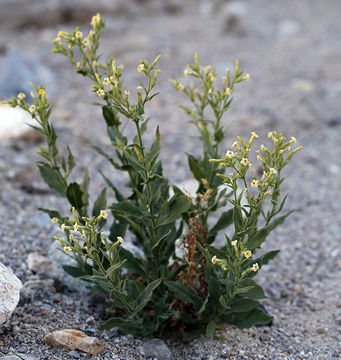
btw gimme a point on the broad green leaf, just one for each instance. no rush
(119, 196)
(224, 221)
(254, 317)
(51, 213)
(278, 221)
(100, 203)
(264, 259)
(129, 209)
(242, 305)
(129, 325)
(146, 295)
(238, 219)
(256, 240)
(133, 263)
(256, 291)
(111, 271)
(74, 271)
(186, 294)
(176, 207)
(75, 195)
(110, 116)
(52, 179)
(84, 186)
(195, 167)
(210, 328)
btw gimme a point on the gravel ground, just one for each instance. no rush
(292, 51)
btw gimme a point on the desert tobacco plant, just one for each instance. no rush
(162, 290)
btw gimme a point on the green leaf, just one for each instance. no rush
(117, 229)
(52, 179)
(255, 317)
(51, 213)
(195, 167)
(154, 151)
(176, 206)
(112, 270)
(100, 151)
(70, 161)
(256, 291)
(238, 219)
(84, 186)
(100, 203)
(242, 305)
(128, 209)
(127, 324)
(256, 240)
(146, 295)
(278, 221)
(133, 263)
(74, 271)
(110, 116)
(186, 294)
(214, 290)
(75, 195)
(118, 194)
(263, 260)
(223, 222)
(210, 328)
(175, 272)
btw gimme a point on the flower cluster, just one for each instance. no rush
(272, 162)
(209, 94)
(81, 236)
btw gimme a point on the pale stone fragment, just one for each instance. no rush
(39, 263)
(75, 340)
(10, 287)
(14, 122)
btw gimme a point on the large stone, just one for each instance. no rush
(10, 287)
(14, 122)
(39, 263)
(75, 340)
(156, 349)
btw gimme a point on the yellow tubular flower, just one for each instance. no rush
(255, 183)
(100, 92)
(244, 162)
(230, 154)
(103, 214)
(247, 254)
(255, 267)
(67, 249)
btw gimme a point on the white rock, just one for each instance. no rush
(10, 287)
(75, 340)
(14, 122)
(39, 263)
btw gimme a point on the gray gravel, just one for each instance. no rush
(292, 51)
